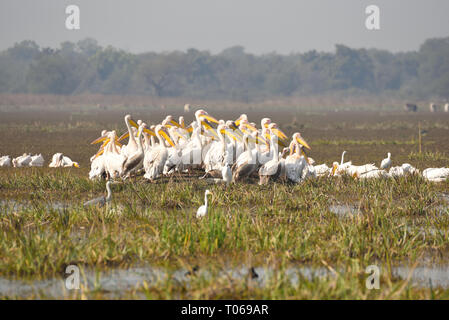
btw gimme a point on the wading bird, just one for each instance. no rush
(226, 173)
(386, 163)
(101, 201)
(202, 211)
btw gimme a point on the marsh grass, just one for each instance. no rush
(279, 223)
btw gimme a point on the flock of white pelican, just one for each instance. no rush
(27, 160)
(226, 151)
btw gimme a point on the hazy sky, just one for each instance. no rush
(260, 26)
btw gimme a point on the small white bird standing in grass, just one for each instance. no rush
(202, 211)
(386, 163)
(226, 173)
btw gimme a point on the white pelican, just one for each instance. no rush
(247, 167)
(386, 163)
(202, 211)
(321, 170)
(340, 168)
(22, 161)
(360, 170)
(101, 201)
(59, 160)
(5, 161)
(376, 173)
(187, 156)
(134, 161)
(295, 162)
(97, 168)
(156, 157)
(67, 162)
(219, 151)
(272, 169)
(132, 146)
(112, 158)
(202, 115)
(402, 170)
(37, 161)
(56, 160)
(436, 174)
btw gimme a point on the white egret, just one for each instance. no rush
(202, 211)
(226, 173)
(386, 163)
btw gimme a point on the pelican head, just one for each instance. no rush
(203, 114)
(265, 122)
(297, 137)
(334, 167)
(241, 118)
(162, 131)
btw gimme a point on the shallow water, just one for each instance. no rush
(114, 283)
(344, 210)
(26, 205)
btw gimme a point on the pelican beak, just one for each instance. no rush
(99, 153)
(166, 137)
(234, 126)
(334, 168)
(123, 136)
(98, 140)
(303, 142)
(150, 132)
(251, 127)
(105, 143)
(209, 128)
(189, 129)
(267, 136)
(230, 134)
(76, 165)
(209, 118)
(279, 133)
(133, 123)
(174, 123)
(261, 139)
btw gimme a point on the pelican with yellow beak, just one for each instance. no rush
(155, 158)
(297, 160)
(204, 119)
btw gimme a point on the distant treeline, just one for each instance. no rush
(86, 67)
